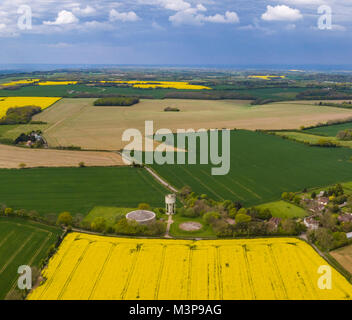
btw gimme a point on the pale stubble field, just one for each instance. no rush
(77, 122)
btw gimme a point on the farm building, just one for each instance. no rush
(323, 201)
(311, 223)
(273, 223)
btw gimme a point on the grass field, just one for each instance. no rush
(175, 230)
(283, 209)
(330, 131)
(108, 213)
(77, 122)
(93, 267)
(312, 138)
(11, 157)
(5, 128)
(262, 167)
(344, 257)
(22, 243)
(11, 132)
(78, 190)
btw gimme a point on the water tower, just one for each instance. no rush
(170, 201)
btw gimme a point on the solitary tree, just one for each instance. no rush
(65, 218)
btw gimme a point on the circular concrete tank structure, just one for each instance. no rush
(141, 216)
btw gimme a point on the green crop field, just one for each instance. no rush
(283, 209)
(330, 131)
(262, 167)
(73, 90)
(22, 242)
(273, 93)
(78, 190)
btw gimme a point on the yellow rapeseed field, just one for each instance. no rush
(13, 83)
(180, 85)
(267, 77)
(56, 83)
(96, 267)
(11, 102)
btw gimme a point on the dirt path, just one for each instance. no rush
(169, 223)
(161, 180)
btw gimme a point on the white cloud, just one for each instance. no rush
(192, 17)
(200, 7)
(64, 17)
(2, 26)
(229, 17)
(87, 11)
(281, 13)
(176, 5)
(302, 2)
(188, 16)
(195, 16)
(123, 16)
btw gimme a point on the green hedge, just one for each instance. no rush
(119, 101)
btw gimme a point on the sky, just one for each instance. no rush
(176, 32)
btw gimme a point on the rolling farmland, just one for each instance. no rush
(22, 243)
(78, 190)
(77, 122)
(330, 131)
(11, 157)
(262, 167)
(276, 269)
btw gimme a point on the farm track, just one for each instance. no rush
(161, 180)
